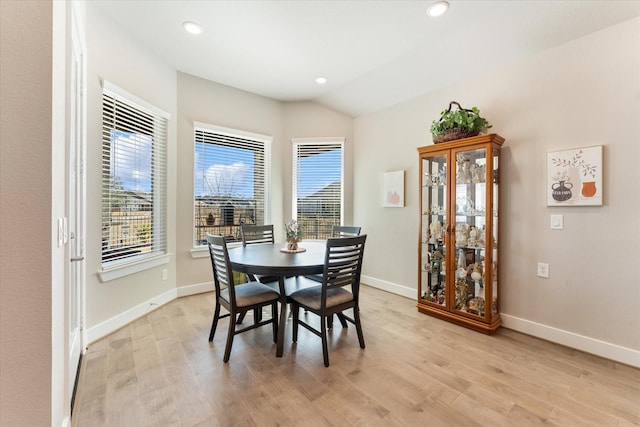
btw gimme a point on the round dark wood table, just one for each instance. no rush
(269, 260)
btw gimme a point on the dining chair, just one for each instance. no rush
(340, 290)
(237, 299)
(345, 231)
(255, 235)
(338, 231)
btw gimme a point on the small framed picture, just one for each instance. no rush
(574, 177)
(393, 190)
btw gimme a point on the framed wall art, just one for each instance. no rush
(574, 177)
(393, 190)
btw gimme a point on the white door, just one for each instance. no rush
(75, 208)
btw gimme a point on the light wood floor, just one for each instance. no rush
(415, 371)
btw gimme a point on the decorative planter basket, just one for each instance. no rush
(455, 133)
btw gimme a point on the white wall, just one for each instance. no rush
(583, 93)
(115, 57)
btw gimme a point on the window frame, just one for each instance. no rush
(265, 140)
(158, 255)
(297, 142)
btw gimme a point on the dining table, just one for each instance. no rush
(273, 259)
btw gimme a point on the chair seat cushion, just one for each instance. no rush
(311, 297)
(248, 294)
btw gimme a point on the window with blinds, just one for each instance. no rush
(134, 178)
(231, 181)
(318, 185)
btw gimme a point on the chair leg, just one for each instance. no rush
(274, 320)
(343, 321)
(257, 316)
(330, 322)
(214, 324)
(325, 345)
(230, 334)
(356, 318)
(241, 317)
(295, 309)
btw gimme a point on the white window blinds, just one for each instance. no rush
(134, 178)
(318, 181)
(231, 181)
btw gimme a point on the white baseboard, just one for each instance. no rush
(200, 288)
(394, 288)
(604, 349)
(111, 325)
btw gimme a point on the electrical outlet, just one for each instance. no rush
(543, 270)
(165, 274)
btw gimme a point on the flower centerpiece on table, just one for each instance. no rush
(294, 234)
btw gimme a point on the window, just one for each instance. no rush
(134, 144)
(318, 185)
(231, 181)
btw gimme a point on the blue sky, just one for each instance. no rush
(320, 170)
(131, 160)
(223, 171)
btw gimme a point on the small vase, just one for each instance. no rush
(561, 191)
(589, 188)
(292, 245)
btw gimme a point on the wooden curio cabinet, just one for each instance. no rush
(459, 232)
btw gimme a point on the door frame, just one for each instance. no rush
(75, 201)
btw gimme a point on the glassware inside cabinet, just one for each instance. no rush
(434, 224)
(470, 231)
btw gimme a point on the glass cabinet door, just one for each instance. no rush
(470, 231)
(495, 178)
(434, 226)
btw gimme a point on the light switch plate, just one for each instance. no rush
(557, 222)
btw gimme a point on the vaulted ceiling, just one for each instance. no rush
(374, 54)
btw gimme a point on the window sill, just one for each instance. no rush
(117, 272)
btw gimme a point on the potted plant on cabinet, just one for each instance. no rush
(457, 124)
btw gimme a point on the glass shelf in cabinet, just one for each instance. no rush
(471, 214)
(476, 248)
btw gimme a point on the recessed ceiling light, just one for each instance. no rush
(192, 27)
(321, 80)
(438, 8)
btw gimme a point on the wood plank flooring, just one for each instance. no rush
(415, 371)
